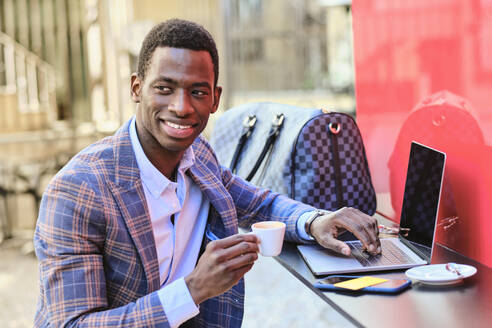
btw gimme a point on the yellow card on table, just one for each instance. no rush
(359, 283)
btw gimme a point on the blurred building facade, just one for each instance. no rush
(65, 70)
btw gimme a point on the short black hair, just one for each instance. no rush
(177, 33)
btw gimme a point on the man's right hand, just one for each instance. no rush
(220, 267)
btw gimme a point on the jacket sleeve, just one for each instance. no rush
(69, 243)
(254, 204)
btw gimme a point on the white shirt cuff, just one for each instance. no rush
(177, 302)
(300, 225)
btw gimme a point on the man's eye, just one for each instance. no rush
(163, 88)
(199, 93)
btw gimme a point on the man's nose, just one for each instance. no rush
(180, 103)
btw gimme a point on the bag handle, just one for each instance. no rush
(248, 127)
(275, 128)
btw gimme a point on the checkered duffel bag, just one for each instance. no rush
(313, 156)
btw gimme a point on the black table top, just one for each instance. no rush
(468, 304)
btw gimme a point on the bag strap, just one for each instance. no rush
(248, 127)
(334, 129)
(275, 128)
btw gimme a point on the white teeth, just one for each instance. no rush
(177, 126)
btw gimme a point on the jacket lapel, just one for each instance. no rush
(129, 195)
(225, 223)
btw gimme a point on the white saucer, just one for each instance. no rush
(436, 274)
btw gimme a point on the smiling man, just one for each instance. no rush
(176, 93)
(140, 228)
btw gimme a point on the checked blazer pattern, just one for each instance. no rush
(95, 245)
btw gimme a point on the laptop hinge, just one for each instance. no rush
(422, 252)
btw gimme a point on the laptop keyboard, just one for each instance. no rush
(390, 254)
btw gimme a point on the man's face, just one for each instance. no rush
(176, 98)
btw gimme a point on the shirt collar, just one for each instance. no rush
(151, 177)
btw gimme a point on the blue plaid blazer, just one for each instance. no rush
(94, 241)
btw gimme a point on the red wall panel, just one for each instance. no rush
(423, 71)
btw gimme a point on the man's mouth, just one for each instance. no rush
(176, 130)
(177, 126)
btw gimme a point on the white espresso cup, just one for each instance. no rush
(271, 236)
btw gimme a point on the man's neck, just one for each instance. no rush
(166, 163)
(164, 160)
(174, 174)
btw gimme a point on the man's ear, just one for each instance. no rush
(136, 87)
(217, 93)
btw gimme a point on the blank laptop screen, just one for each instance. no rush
(421, 196)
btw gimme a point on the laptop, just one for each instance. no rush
(415, 241)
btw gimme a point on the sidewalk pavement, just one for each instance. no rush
(274, 298)
(18, 283)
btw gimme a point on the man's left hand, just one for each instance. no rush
(327, 227)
